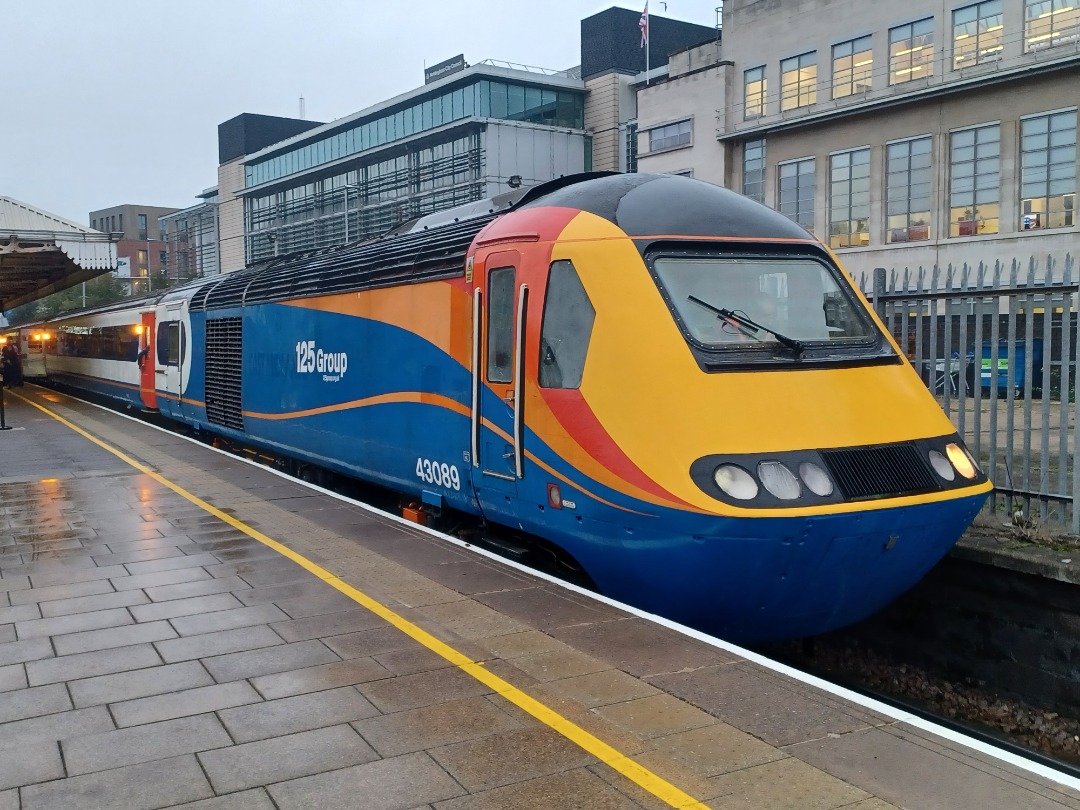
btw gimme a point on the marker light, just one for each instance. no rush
(779, 480)
(816, 479)
(942, 466)
(138, 329)
(736, 482)
(961, 460)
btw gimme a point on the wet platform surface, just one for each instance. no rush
(154, 655)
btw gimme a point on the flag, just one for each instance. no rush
(643, 24)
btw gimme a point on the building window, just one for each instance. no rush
(670, 136)
(852, 67)
(911, 51)
(975, 181)
(1048, 23)
(849, 198)
(797, 189)
(142, 265)
(1048, 171)
(977, 34)
(754, 85)
(753, 182)
(907, 190)
(798, 81)
(631, 146)
(142, 226)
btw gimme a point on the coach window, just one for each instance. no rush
(567, 328)
(500, 337)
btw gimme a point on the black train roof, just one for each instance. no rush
(434, 247)
(664, 204)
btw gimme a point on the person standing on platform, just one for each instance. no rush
(11, 364)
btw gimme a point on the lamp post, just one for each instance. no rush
(346, 189)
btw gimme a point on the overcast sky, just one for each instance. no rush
(118, 101)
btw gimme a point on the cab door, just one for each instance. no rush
(500, 306)
(146, 361)
(171, 360)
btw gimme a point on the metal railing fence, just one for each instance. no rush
(998, 347)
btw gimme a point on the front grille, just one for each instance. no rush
(879, 472)
(224, 353)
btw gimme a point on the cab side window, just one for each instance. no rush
(500, 338)
(169, 337)
(566, 330)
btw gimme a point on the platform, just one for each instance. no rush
(179, 627)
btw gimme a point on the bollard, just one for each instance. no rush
(3, 422)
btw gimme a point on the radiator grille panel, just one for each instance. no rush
(224, 353)
(879, 472)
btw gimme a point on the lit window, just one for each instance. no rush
(911, 51)
(754, 170)
(798, 81)
(797, 188)
(849, 198)
(975, 181)
(852, 66)
(670, 136)
(977, 34)
(907, 190)
(755, 89)
(1048, 23)
(1048, 171)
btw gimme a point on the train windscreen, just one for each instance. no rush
(733, 301)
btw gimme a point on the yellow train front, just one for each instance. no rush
(682, 389)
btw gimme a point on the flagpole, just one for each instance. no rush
(647, 43)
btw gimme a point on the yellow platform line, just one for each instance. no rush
(610, 756)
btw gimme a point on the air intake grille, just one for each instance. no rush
(224, 351)
(879, 472)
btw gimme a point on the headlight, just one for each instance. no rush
(736, 482)
(961, 460)
(816, 479)
(941, 465)
(779, 480)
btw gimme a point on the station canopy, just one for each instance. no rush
(41, 253)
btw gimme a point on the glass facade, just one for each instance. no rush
(849, 198)
(797, 188)
(908, 184)
(365, 201)
(753, 183)
(482, 98)
(1048, 171)
(798, 81)
(853, 67)
(975, 180)
(911, 51)
(977, 34)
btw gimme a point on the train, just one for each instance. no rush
(30, 342)
(676, 387)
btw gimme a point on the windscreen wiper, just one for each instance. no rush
(750, 327)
